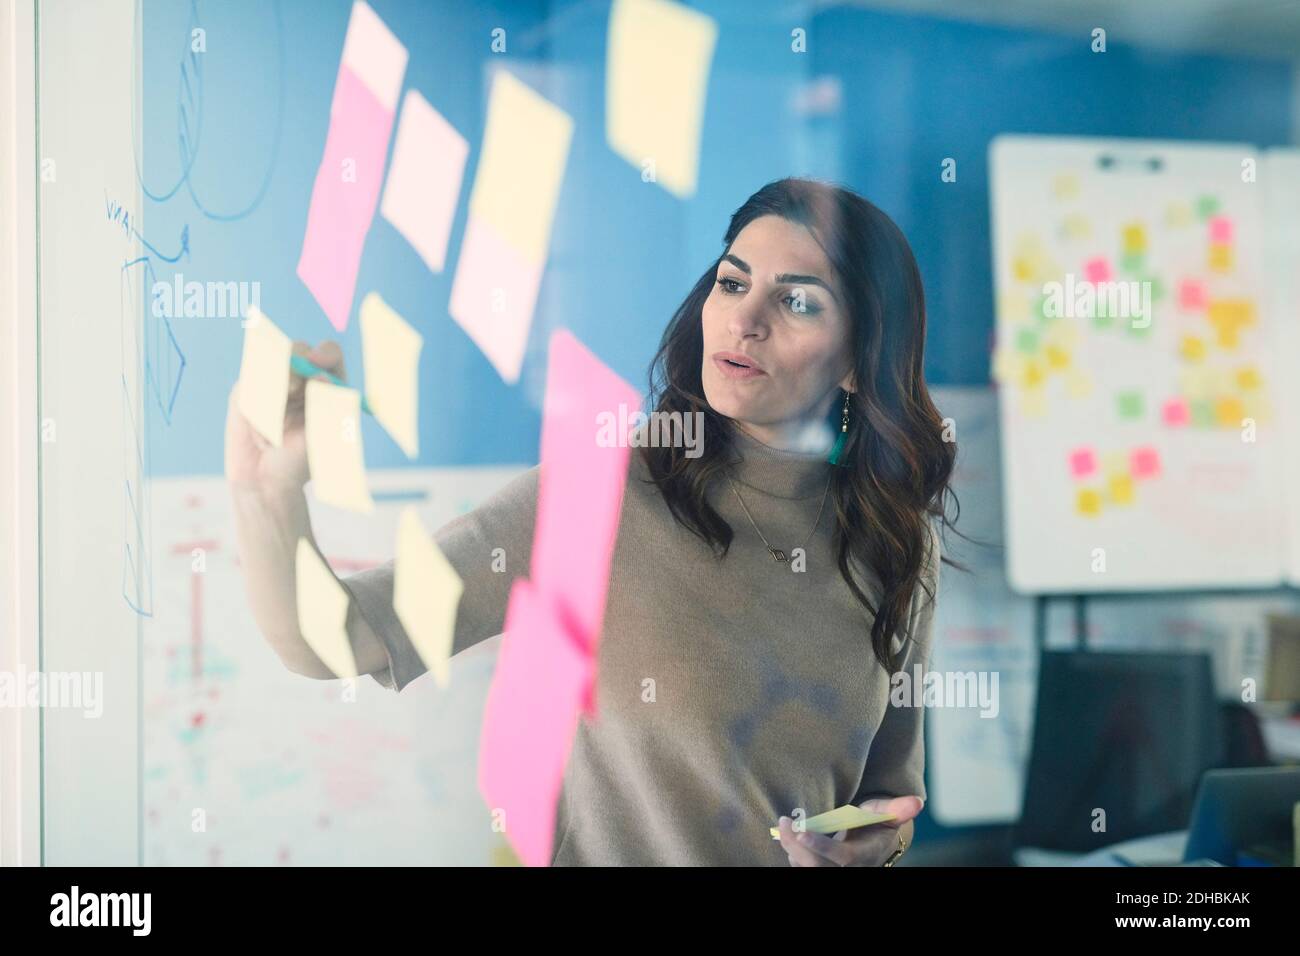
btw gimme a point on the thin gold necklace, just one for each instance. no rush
(776, 553)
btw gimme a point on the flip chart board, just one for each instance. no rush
(1137, 366)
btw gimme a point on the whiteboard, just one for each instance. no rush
(1141, 446)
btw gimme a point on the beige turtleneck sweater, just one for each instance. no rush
(730, 691)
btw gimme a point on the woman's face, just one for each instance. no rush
(777, 308)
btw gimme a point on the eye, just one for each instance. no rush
(726, 282)
(809, 306)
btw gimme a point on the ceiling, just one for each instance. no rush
(1256, 27)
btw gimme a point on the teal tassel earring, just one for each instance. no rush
(838, 448)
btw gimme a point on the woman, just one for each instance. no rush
(760, 595)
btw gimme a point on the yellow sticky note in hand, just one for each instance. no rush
(264, 376)
(323, 612)
(846, 817)
(658, 57)
(390, 351)
(426, 594)
(334, 454)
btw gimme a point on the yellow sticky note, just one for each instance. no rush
(1193, 348)
(1178, 214)
(1065, 186)
(264, 376)
(391, 354)
(1033, 373)
(1033, 403)
(1135, 238)
(658, 57)
(521, 166)
(1088, 502)
(1220, 258)
(1121, 489)
(1248, 377)
(1227, 337)
(426, 594)
(1078, 384)
(1057, 357)
(847, 817)
(334, 452)
(1230, 312)
(1228, 412)
(1076, 226)
(323, 612)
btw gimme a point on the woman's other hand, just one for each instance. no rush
(862, 846)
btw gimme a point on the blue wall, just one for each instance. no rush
(912, 91)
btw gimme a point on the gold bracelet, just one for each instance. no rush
(893, 857)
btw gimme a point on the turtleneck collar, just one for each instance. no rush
(775, 472)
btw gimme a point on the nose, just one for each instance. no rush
(748, 319)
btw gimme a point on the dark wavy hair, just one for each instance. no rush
(896, 465)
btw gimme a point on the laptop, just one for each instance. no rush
(1240, 808)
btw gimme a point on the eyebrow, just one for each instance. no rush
(785, 278)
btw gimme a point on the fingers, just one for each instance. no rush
(903, 808)
(329, 356)
(797, 849)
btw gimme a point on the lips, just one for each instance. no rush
(737, 366)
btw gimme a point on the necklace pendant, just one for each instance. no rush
(777, 554)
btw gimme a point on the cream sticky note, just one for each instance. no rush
(390, 353)
(525, 150)
(424, 179)
(264, 376)
(656, 81)
(841, 818)
(323, 612)
(426, 595)
(334, 452)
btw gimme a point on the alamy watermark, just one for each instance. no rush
(934, 688)
(62, 689)
(651, 430)
(204, 300)
(1086, 299)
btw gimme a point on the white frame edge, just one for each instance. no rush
(20, 757)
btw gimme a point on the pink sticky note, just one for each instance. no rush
(1175, 412)
(1144, 462)
(493, 295)
(1191, 294)
(424, 179)
(581, 483)
(1221, 230)
(344, 197)
(1097, 270)
(532, 712)
(1083, 462)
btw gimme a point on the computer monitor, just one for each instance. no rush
(1239, 808)
(1127, 734)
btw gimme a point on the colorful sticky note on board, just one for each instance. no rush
(1087, 502)
(1206, 206)
(1191, 295)
(1065, 185)
(581, 480)
(1134, 238)
(848, 817)
(264, 376)
(323, 611)
(1144, 462)
(1175, 412)
(1248, 378)
(1229, 411)
(1220, 257)
(1231, 312)
(1120, 490)
(424, 179)
(1076, 226)
(1097, 270)
(390, 351)
(1221, 230)
(334, 452)
(1027, 341)
(426, 595)
(511, 209)
(1129, 404)
(654, 103)
(1083, 462)
(351, 171)
(1178, 214)
(543, 676)
(1192, 348)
